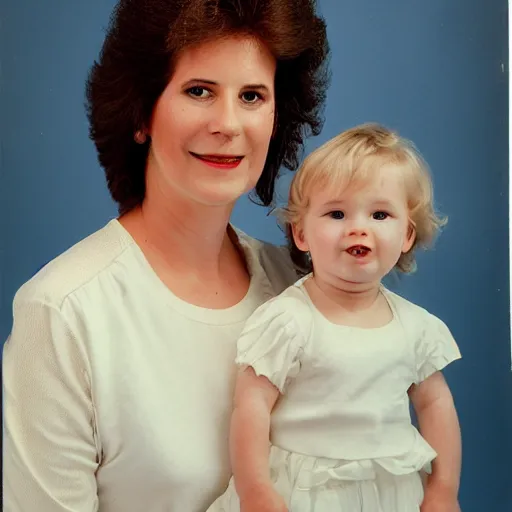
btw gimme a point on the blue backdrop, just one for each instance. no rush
(436, 71)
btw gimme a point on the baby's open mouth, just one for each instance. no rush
(358, 250)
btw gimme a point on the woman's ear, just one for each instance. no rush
(410, 238)
(299, 238)
(140, 137)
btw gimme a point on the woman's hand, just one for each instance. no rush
(268, 500)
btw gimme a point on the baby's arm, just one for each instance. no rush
(439, 425)
(255, 397)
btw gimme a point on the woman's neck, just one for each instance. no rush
(189, 238)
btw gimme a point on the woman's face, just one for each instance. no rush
(211, 127)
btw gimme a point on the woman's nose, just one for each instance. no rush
(226, 119)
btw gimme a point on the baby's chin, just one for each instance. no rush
(368, 275)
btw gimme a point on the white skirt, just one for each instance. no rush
(312, 484)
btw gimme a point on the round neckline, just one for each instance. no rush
(319, 314)
(239, 312)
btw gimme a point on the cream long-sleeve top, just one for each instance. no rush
(118, 394)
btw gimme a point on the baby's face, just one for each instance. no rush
(357, 235)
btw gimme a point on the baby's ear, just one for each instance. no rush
(299, 238)
(410, 238)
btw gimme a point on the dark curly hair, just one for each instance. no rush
(144, 39)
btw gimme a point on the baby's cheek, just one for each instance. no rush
(328, 235)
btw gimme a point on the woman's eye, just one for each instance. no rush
(337, 214)
(380, 215)
(251, 96)
(198, 92)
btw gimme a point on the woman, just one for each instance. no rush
(119, 369)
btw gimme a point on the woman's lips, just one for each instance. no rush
(219, 161)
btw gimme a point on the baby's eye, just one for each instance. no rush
(337, 214)
(198, 92)
(380, 215)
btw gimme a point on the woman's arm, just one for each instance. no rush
(50, 455)
(249, 440)
(439, 425)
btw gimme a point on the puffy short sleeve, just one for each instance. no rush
(273, 340)
(435, 349)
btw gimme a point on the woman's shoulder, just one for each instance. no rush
(274, 259)
(76, 266)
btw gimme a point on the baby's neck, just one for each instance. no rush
(350, 297)
(359, 307)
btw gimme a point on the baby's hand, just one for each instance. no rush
(266, 501)
(439, 501)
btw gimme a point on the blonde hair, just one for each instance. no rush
(354, 155)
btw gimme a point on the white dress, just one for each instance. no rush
(118, 394)
(341, 432)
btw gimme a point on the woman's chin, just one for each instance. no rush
(223, 194)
